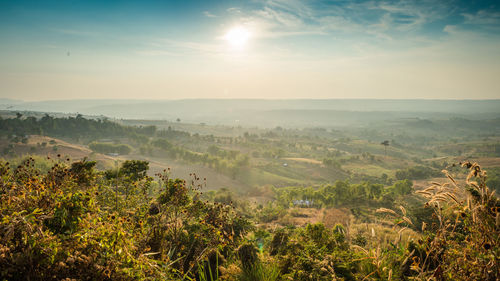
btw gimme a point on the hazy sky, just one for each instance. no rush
(249, 49)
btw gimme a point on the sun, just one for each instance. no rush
(237, 36)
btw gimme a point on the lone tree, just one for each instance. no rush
(385, 144)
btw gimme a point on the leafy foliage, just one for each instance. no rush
(59, 225)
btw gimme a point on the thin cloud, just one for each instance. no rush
(75, 32)
(233, 10)
(209, 14)
(183, 48)
(482, 17)
(155, 53)
(486, 21)
(371, 18)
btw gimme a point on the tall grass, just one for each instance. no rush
(260, 272)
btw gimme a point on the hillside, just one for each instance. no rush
(354, 190)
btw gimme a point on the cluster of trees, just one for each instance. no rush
(172, 134)
(417, 173)
(345, 193)
(332, 163)
(73, 127)
(217, 151)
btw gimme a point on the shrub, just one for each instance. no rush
(464, 244)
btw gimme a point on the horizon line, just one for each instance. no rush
(253, 99)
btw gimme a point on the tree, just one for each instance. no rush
(385, 144)
(402, 187)
(134, 169)
(83, 171)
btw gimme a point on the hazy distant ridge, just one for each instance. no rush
(259, 112)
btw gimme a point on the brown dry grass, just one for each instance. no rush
(332, 217)
(64, 149)
(305, 160)
(329, 217)
(306, 216)
(487, 162)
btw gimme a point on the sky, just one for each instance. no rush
(273, 49)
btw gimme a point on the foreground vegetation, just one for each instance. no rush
(76, 222)
(263, 204)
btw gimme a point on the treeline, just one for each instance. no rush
(343, 193)
(172, 134)
(417, 173)
(73, 127)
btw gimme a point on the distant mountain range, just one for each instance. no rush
(267, 113)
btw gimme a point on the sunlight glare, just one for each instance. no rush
(237, 36)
